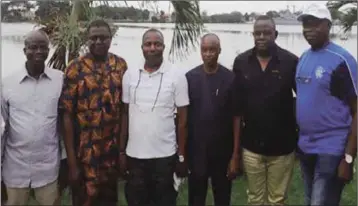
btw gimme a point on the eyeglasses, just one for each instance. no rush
(156, 98)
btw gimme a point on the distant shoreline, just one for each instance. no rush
(279, 23)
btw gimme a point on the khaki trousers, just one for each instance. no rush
(46, 195)
(268, 177)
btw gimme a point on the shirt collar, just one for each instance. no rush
(274, 54)
(161, 70)
(24, 74)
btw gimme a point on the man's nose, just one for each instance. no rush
(152, 47)
(98, 40)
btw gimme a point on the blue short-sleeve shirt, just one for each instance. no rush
(326, 82)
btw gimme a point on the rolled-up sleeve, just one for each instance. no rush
(125, 87)
(181, 94)
(69, 92)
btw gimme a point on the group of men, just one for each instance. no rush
(153, 123)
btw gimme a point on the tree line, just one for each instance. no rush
(19, 11)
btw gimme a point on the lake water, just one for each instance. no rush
(235, 38)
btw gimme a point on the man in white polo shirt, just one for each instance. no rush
(151, 93)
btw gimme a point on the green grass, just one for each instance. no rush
(238, 196)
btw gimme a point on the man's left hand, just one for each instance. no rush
(233, 168)
(181, 169)
(345, 171)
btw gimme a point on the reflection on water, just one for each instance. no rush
(235, 38)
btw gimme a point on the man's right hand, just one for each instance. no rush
(123, 164)
(74, 175)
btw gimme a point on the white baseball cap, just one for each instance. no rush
(320, 12)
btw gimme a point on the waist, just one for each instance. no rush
(265, 143)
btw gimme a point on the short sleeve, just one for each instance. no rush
(69, 92)
(181, 94)
(4, 106)
(343, 83)
(238, 94)
(237, 90)
(125, 87)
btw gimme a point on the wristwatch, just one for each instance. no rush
(181, 158)
(348, 158)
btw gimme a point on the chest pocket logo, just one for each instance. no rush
(319, 72)
(276, 74)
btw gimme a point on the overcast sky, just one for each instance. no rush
(243, 6)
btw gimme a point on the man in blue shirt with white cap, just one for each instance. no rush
(326, 79)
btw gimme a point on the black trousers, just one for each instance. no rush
(150, 182)
(216, 170)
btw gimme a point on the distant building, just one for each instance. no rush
(286, 18)
(22, 10)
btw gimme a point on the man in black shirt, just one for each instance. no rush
(212, 150)
(264, 99)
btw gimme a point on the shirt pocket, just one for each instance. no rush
(50, 106)
(166, 95)
(323, 78)
(132, 92)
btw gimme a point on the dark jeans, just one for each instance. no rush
(216, 170)
(322, 185)
(150, 182)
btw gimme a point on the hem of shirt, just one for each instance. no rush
(322, 153)
(125, 101)
(260, 152)
(28, 186)
(182, 105)
(150, 156)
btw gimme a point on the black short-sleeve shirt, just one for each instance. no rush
(265, 100)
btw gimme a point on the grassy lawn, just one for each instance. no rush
(238, 197)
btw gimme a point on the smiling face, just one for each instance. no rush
(264, 34)
(99, 40)
(315, 31)
(36, 48)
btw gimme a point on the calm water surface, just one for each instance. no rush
(235, 38)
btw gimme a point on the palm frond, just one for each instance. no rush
(188, 27)
(67, 31)
(349, 16)
(336, 5)
(68, 34)
(348, 19)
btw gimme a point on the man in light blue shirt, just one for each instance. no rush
(326, 111)
(29, 102)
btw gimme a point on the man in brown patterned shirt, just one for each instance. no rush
(91, 107)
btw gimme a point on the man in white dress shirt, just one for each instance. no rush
(29, 108)
(152, 92)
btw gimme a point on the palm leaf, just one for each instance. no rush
(349, 17)
(67, 31)
(188, 27)
(338, 4)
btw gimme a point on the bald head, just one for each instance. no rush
(37, 36)
(210, 49)
(211, 38)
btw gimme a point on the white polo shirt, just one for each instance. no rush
(153, 98)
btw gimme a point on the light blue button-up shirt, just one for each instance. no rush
(29, 109)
